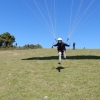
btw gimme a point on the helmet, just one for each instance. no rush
(59, 39)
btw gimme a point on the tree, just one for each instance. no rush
(16, 44)
(6, 39)
(1, 43)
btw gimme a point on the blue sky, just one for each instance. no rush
(20, 19)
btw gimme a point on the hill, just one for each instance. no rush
(35, 74)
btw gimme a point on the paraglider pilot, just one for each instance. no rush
(61, 49)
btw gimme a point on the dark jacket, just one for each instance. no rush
(61, 46)
(74, 44)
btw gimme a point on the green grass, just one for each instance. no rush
(34, 74)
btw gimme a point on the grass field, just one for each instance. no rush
(34, 74)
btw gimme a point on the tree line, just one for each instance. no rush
(7, 41)
(30, 46)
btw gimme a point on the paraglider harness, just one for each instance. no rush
(62, 49)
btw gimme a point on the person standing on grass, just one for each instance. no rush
(74, 45)
(61, 49)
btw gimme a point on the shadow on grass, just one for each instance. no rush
(60, 68)
(79, 57)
